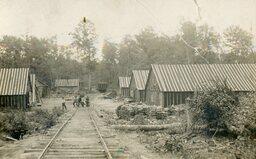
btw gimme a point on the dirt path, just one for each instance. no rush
(130, 140)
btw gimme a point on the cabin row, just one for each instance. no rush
(20, 88)
(167, 85)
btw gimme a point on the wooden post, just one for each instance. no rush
(78, 85)
(188, 120)
(89, 84)
(24, 101)
(33, 88)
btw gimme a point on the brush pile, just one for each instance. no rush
(131, 110)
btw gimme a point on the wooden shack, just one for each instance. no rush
(16, 89)
(138, 84)
(42, 88)
(173, 84)
(124, 86)
(70, 86)
(102, 87)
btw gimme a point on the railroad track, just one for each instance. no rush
(82, 135)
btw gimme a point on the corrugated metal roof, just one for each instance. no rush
(140, 78)
(14, 81)
(67, 82)
(124, 82)
(239, 77)
(179, 78)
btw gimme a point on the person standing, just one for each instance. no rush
(75, 101)
(79, 100)
(63, 101)
(87, 101)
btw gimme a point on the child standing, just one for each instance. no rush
(64, 107)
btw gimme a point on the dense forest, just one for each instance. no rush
(193, 44)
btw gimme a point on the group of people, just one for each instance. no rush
(78, 101)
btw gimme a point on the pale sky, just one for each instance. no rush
(114, 19)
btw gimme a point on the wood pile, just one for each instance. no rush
(130, 110)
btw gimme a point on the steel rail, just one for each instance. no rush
(55, 136)
(106, 150)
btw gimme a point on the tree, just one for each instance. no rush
(208, 44)
(29, 52)
(13, 51)
(128, 56)
(239, 44)
(109, 61)
(148, 43)
(140, 51)
(201, 43)
(41, 55)
(83, 39)
(189, 39)
(38, 53)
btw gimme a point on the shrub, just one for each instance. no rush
(42, 119)
(18, 122)
(2, 117)
(14, 123)
(174, 144)
(214, 107)
(57, 111)
(244, 116)
(220, 108)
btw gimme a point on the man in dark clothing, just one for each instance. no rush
(64, 107)
(75, 101)
(79, 99)
(87, 102)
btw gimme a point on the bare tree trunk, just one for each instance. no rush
(90, 73)
(89, 82)
(174, 127)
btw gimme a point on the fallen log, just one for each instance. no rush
(8, 138)
(174, 128)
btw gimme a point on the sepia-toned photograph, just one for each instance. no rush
(127, 79)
